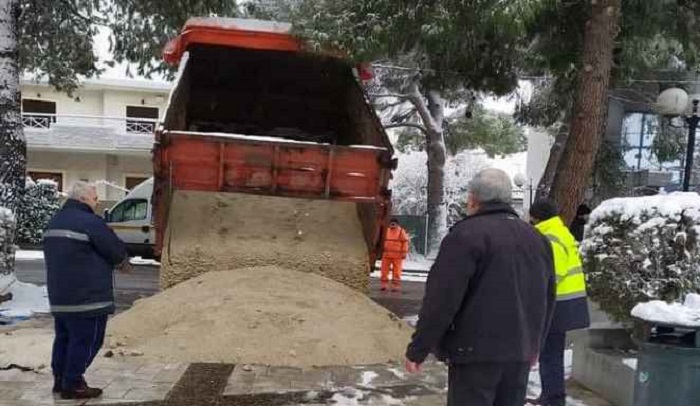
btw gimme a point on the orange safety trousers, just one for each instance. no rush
(395, 266)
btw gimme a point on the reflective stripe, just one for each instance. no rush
(553, 238)
(80, 308)
(575, 271)
(66, 234)
(570, 296)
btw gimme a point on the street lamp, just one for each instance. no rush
(675, 102)
(519, 180)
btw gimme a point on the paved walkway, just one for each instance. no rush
(131, 382)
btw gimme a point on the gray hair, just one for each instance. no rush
(80, 189)
(491, 186)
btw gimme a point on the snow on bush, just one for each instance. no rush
(642, 249)
(38, 204)
(686, 314)
(7, 247)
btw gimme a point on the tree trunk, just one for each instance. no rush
(13, 147)
(576, 166)
(432, 115)
(545, 184)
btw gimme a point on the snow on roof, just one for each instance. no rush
(634, 207)
(109, 83)
(241, 24)
(685, 314)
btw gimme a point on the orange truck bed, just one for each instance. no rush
(253, 112)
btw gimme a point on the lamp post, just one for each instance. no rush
(693, 120)
(676, 102)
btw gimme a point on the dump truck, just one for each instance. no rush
(257, 114)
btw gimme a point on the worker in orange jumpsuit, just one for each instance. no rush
(395, 251)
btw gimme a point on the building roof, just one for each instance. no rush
(111, 83)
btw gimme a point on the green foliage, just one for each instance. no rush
(142, 27)
(669, 143)
(495, 134)
(472, 44)
(641, 249)
(55, 40)
(39, 203)
(608, 166)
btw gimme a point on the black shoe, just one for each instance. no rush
(82, 391)
(57, 387)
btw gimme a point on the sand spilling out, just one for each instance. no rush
(266, 315)
(222, 231)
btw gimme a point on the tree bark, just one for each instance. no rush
(13, 147)
(576, 166)
(432, 115)
(544, 186)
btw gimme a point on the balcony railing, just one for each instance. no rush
(37, 121)
(131, 125)
(88, 132)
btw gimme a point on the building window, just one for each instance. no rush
(147, 125)
(54, 176)
(38, 113)
(132, 181)
(129, 210)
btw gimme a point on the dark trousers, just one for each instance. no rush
(78, 339)
(487, 384)
(552, 370)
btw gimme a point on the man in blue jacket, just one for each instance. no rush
(81, 253)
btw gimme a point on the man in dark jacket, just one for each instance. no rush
(488, 301)
(81, 253)
(583, 212)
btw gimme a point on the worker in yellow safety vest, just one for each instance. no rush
(571, 310)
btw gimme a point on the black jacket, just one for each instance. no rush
(81, 253)
(490, 294)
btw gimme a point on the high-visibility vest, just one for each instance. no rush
(571, 282)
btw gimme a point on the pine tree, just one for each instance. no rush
(652, 39)
(448, 52)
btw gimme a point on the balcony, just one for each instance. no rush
(90, 133)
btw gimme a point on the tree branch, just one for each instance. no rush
(381, 95)
(409, 125)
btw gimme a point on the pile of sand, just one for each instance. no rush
(223, 231)
(266, 315)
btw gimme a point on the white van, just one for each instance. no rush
(131, 219)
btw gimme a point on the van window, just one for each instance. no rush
(130, 210)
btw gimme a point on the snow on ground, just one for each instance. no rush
(27, 299)
(405, 277)
(142, 261)
(23, 255)
(685, 314)
(29, 255)
(630, 362)
(368, 377)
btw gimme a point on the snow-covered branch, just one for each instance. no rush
(409, 125)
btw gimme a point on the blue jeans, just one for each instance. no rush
(78, 339)
(552, 370)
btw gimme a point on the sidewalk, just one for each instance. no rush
(129, 381)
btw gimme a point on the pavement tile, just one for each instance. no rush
(154, 392)
(242, 379)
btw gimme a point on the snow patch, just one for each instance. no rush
(29, 255)
(368, 377)
(27, 299)
(142, 261)
(676, 314)
(630, 362)
(407, 277)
